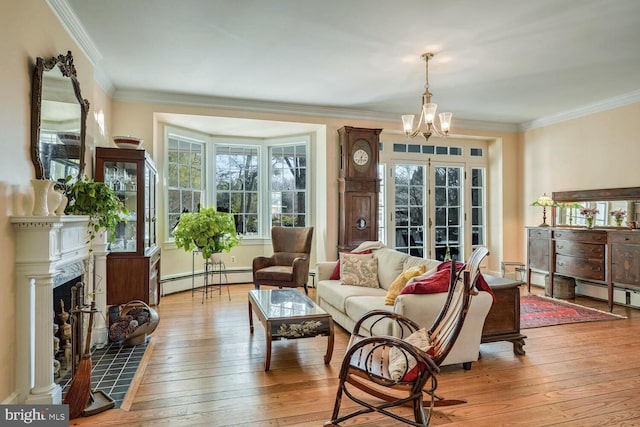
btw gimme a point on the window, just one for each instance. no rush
(289, 185)
(263, 182)
(185, 173)
(236, 185)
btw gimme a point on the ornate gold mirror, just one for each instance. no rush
(58, 119)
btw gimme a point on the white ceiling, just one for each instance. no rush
(506, 61)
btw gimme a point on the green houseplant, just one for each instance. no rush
(99, 202)
(209, 230)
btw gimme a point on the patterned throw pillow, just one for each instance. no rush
(398, 358)
(336, 271)
(400, 282)
(359, 270)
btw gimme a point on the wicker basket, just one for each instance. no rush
(564, 287)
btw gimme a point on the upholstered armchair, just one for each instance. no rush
(289, 264)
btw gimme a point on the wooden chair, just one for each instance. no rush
(365, 377)
(289, 264)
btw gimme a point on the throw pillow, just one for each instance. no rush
(423, 275)
(403, 365)
(400, 282)
(336, 270)
(359, 270)
(481, 283)
(437, 282)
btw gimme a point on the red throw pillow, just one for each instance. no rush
(436, 283)
(336, 271)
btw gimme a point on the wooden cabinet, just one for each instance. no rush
(625, 258)
(133, 264)
(503, 321)
(538, 251)
(610, 256)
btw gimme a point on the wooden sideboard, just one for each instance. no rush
(609, 256)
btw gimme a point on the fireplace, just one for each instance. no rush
(48, 249)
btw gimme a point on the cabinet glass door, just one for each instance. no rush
(121, 177)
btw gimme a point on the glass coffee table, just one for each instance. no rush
(288, 314)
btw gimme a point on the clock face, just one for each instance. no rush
(360, 157)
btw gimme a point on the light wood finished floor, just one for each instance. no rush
(205, 369)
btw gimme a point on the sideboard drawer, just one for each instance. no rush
(581, 235)
(628, 237)
(580, 267)
(579, 249)
(536, 233)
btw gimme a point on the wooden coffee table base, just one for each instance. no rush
(291, 325)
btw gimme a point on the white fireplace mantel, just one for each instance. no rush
(44, 246)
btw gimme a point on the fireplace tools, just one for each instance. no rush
(80, 398)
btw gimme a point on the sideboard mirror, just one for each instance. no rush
(58, 119)
(568, 204)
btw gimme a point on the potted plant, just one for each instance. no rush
(99, 202)
(210, 231)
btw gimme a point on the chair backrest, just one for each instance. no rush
(290, 243)
(450, 320)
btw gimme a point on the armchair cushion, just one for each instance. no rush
(399, 359)
(359, 270)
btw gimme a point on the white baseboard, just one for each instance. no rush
(12, 399)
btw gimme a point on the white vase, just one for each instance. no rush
(53, 201)
(216, 257)
(40, 193)
(62, 205)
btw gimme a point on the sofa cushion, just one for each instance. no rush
(359, 270)
(412, 261)
(358, 306)
(337, 294)
(390, 265)
(401, 281)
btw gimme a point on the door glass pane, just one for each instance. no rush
(409, 215)
(448, 212)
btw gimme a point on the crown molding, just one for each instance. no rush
(67, 17)
(597, 107)
(144, 96)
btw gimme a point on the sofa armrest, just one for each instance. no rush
(324, 269)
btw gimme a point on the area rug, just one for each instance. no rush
(114, 369)
(537, 311)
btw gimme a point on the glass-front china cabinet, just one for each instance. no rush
(133, 264)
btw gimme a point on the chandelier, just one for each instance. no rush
(426, 124)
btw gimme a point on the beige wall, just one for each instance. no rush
(596, 151)
(28, 29)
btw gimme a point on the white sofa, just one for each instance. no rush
(347, 304)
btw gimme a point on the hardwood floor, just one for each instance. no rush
(205, 369)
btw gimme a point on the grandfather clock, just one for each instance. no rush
(359, 186)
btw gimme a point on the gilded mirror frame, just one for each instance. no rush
(68, 70)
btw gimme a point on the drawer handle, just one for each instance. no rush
(627, 238)
(560, 247)
(560, 263)
(595, 268)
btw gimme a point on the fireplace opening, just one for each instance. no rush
(66, 350)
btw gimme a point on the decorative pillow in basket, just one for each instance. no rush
(134, 322)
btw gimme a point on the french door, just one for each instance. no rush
(428, 210)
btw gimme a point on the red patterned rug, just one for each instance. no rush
(537, 311)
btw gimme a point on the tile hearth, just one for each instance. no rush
(113, 370)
